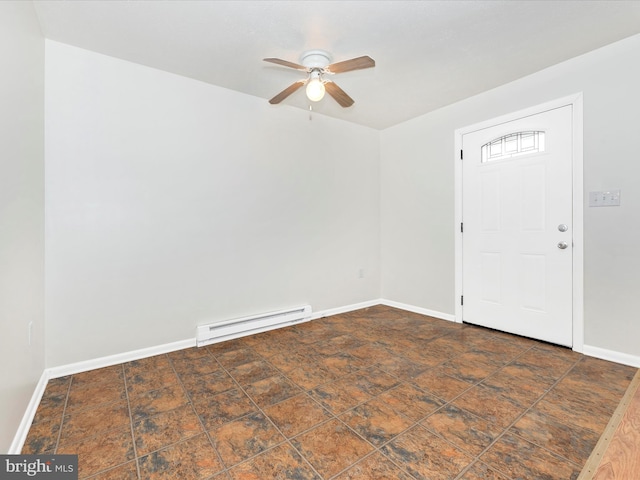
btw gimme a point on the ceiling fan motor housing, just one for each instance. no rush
(315, 59)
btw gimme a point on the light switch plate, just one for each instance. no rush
(610, 198)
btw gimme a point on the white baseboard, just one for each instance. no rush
(347, 308)
(423, 311)
(29, 414)
(612, 356)
(118, 358)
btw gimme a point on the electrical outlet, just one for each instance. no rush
(30, 331)
(361, 273)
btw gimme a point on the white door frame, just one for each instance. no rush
(578, 209)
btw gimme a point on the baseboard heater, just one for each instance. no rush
(240, 327)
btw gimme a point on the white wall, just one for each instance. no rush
(417, 174)
(171, 202)
(21, 212)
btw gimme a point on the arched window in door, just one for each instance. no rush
(513, 145)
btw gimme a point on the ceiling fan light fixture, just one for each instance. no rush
(318, 63)
(315, 89)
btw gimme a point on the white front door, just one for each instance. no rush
(517, 226)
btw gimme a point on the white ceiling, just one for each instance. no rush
(428, 53)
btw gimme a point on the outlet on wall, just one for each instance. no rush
(361, 273)
(30, 332)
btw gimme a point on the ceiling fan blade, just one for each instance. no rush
(285, 63)
(287, 91)
(353, 64)
(338, 94)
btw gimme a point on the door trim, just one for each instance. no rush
(577, 199)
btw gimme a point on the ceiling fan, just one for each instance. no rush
(317, 64)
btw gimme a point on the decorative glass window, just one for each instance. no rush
(513, 145)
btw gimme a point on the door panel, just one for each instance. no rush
(516, 181)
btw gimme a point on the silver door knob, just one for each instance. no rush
(562, 227)
(562, 245)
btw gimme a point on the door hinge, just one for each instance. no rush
(461, 155)
(461, 227)
(461, 299)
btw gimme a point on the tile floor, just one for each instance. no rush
(379, 393)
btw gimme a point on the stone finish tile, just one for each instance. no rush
(202, 387)
(483, 402)
(113, 374)
(421, 355)
(157, 401)
(410, 401)
(341, 363)
(128, 471)
(281, 462)
(196, 366)
(520, 389)
(380, 369)
(594, 392)
(331, 447)
(193, 459)
(149, 364)
(463, 429)
(159, 431)
(376, 421)
(101, 452)
(241, 439)
(271, 390)
(289, 360)
(192, 353)
(252, 372)
(447, 347)
(480, 471)
(140, 381)
(570, 441)
(375, 466)
(517, 458)
(609, 375)
(53, 400)
(42, 437)
(339, 396)
(219, 348)
(372, 380)
(235, 358)
(586, 412)
(370, 353)
(470, 367)
(297, 414)
(402, 367)
(85, 394)
(90, 421)
(550, 363)
(438, 383)
(224, 407)
(310, 376)
(425, 455)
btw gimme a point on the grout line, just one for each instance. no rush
(64, 410)
(133, 435)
